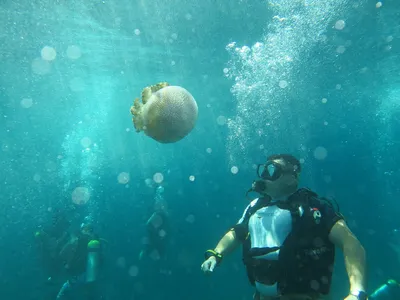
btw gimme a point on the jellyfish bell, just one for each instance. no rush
(166, 113)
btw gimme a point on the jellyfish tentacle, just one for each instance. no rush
(146, 94)
(158, 86)
(137, 118)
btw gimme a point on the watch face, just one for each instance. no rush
(362, 296)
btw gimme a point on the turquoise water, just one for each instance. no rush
(318, 79)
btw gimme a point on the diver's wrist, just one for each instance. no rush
(359, 293)
(214, 254)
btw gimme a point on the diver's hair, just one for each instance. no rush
(287, 158)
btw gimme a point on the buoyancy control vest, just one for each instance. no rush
(306, 257)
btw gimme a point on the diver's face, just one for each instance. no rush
(285, 185)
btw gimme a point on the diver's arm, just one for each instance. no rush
(228, 243)
(354, 255)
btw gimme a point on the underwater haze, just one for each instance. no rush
(319, 79)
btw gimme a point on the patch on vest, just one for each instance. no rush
(316, 213)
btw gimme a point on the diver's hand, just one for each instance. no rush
(208, 265)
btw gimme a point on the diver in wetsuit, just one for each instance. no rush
(288, 236)
(81, 256)
(50, 240)
(157, 228)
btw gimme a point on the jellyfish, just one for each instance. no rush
(166, 113)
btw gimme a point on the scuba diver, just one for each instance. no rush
(288, 236)
(388, 291)
(157, 227)
(50, 240)
(81, 257)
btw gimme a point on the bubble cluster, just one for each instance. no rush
(263, 73)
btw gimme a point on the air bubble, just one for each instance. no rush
(133, 271)
(86, 142)
(121, 262)
(40, 66)
(158, 177)
(208, 150)
(320, 153)
(378, 4)
(221, 120)
(190, 219)
(324, 100)
(123, 177)
(48, 53)
(80, 195)
(340, 24)
(341, 49)
(283, 84)
(234, 170)
(26, 102)
(137, 31)
(191, 178)
(314, 285)
(74, 52)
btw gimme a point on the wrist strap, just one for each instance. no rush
(218, 256)
(361, 295)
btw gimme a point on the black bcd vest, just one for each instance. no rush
(306, 257)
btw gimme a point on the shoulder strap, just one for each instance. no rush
(261, 202)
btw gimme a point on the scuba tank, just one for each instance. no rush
(93, 261)
(388, 291)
